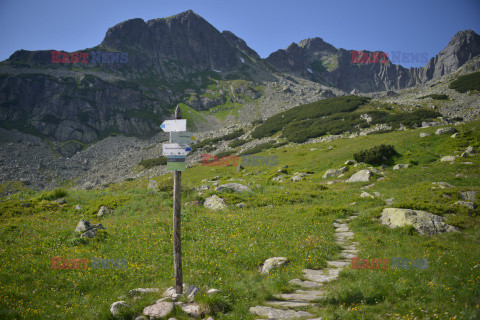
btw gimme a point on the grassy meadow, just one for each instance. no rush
(224, 249)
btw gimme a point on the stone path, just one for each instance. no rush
(285, 306)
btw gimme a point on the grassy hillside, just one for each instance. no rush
(223, 250)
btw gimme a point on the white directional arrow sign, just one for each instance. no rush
(175, 149)
(174, 125)
(181, 137)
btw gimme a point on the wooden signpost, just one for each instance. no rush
(176, 151)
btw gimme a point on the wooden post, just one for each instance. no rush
(177, 245)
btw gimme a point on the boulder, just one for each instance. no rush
(448, 159)
(78, 207)
(295, 178)
(424, 222)
(103, 211)
(467, 204)
(193, 310)
(191, 292)
(237, 187)
(215, 203)
(424, 134)
(152, 185)
(400, 166)
(468, 196)
(366, 195)
(272, 263)
(334, 172)
(240, 205)
(117, 306)
(446, 130)
(272, 313)
(159, 310)
(360, 176)
(349, 162)
(82, 226)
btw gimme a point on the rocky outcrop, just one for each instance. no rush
(424, 222)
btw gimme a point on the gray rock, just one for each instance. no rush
(159, 310)
(467, 204)
(360, 176)
(192, 310)
(141, 318)
(448, 159)
(305, 284)
(60, 201)
(213, 291)
(400, 166)
(446, 130)
(272, 263)
(142, 291)
(444, 185)
(117, 306)
(240, 205)
(78, 207)
(296, 178)
(270, 313)
(349, 162)
(366, 195)
(468, 196)
(103, 211)
(280, 178)
(192, 291)
(424, 222)
(152, 185)
(215, 203)
(82, 226)
(89, 234)
(237, 187)
(424, 134)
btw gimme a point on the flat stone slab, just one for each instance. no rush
(338, 263)
(269, 312)
(339, 220)
(305, 284)
(349, 247)
(317, 276)
(346, 234)
(347, 255)
(288, 304)
(343, 228)
(352, 251)
(301, 295)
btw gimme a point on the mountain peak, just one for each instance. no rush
(316, 44)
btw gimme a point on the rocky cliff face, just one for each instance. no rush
(175, 60)
(319, 61)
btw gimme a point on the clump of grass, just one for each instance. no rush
(53, 194)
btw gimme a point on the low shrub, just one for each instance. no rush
(376, 155)
(150, 163)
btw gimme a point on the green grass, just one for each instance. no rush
(224, 249)
(150, 163)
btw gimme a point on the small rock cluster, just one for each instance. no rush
(164, 307)
(88, 230)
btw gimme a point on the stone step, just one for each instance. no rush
(317, 276)
(345, 234)
(347, 255)
(301, 295)
(352, 251)
(305, 284)
(269, 312)
(340, 263)
(342, 229)
(288, 304)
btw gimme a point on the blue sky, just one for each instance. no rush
(421, 26)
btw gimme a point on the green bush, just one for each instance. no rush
(236, 143)
(465, 83)
(436, 96)
(150, 163)
(376, 155)
(308, 112)
(53, 195)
